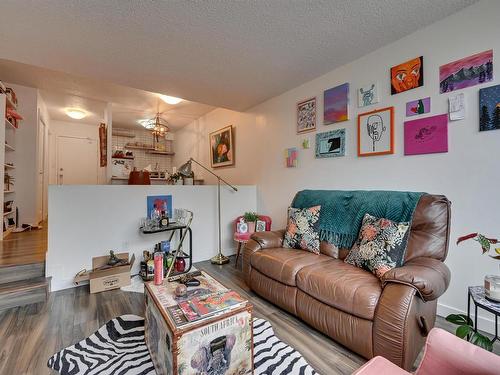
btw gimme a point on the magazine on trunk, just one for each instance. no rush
(204, 306)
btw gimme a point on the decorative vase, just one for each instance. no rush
(179, 182)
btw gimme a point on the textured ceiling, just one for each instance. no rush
(61, 91)
(225, 53)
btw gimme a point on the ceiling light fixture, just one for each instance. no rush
(170, 99)
(77, 114)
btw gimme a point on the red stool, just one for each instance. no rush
(242, 238)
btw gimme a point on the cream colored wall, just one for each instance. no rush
(467, 174)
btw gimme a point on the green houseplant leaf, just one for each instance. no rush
(482, 341)
(459, 319)
(463, 330)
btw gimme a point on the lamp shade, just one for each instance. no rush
(185, 169)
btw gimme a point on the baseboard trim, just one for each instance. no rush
(484, 323)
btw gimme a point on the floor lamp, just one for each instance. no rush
(186, 170)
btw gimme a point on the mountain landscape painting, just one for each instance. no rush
(489, 108)
(466, 72)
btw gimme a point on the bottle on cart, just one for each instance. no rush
(158, 264)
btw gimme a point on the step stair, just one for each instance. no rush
(23, 285)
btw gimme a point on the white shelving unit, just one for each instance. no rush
(8, 159)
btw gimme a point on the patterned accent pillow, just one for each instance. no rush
(302, 229)
(381, 245)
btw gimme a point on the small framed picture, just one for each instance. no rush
(330, 144)
(376, 132)
(242, 227)
(306, 115)
(260, 226)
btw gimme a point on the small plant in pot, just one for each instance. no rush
(465, 329)
(175, 178)
(250, 219)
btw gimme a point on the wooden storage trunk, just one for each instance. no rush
(220, 345)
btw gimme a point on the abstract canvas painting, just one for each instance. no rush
(408, 75)
(489, 108)
(336, 104)
(367, 95)
(426, 135)
(418, 107)
(466, 72)
(306, 115)
(330, 144)
(291, 157)
(221, 147)
(376, 132)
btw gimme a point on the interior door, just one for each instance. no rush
(40, 188)
(77, 161)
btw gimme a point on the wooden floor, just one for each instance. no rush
(24, 248)
(30, 335)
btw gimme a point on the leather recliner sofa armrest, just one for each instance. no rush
(267, 240)
(429, 276)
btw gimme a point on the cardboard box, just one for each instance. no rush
(107, 279)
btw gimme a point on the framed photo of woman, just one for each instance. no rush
(221, 147)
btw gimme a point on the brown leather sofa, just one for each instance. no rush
(388, 317)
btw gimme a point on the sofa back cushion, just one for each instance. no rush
(430, 228)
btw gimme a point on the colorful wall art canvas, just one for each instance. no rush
(489, 108)
(306, 115)
(418, 107)
(330, 144)
(368, 95)
(426, 135)
(376, 132)
(466, 72)
(291, 157)
(221, 147)
(162, 203)
(336, 104)
(408, 75)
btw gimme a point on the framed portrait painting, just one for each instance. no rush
(408, 75)
(221, 147)
(376, 132)
(306, 115)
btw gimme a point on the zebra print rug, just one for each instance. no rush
(118, 348)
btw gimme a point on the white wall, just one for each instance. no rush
(90, 220)
(467, 174)
(72, 129)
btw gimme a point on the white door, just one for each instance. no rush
(40, 188)
(77, 161)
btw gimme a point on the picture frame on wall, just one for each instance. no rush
(306, 115)
(221, 147)
(336, 104)
(407, 76)
(330, 144)
(260, 226)
(376, 132)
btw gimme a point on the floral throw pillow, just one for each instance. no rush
(302, 229)
(381, 245)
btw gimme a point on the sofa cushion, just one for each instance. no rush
(282, 264)
(302, 229)
(341, 285)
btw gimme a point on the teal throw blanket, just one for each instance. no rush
(342, 212)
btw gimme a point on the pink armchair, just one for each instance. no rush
(444, 354)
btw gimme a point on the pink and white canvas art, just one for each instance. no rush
(426, 135)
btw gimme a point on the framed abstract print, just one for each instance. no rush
(221, 147)
(376, 132)
(330, 144)
(408, 75)
(306, 115)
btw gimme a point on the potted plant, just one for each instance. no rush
(175, 178)
(465, 329)
(250, 219)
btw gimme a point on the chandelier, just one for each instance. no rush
(158, 126)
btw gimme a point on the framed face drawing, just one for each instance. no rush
(376, 132)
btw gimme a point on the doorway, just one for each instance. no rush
(77, 161)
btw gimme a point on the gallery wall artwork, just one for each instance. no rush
(418, 107)
(456, 107)
(426, 135)
(408, 75)
(376, 132)
(336, 104)
(368, 95)
(466, 72)
(221, 147)
(489, 108)
(306, 115)
(291, 157)
(330, 144)
(161, 203)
